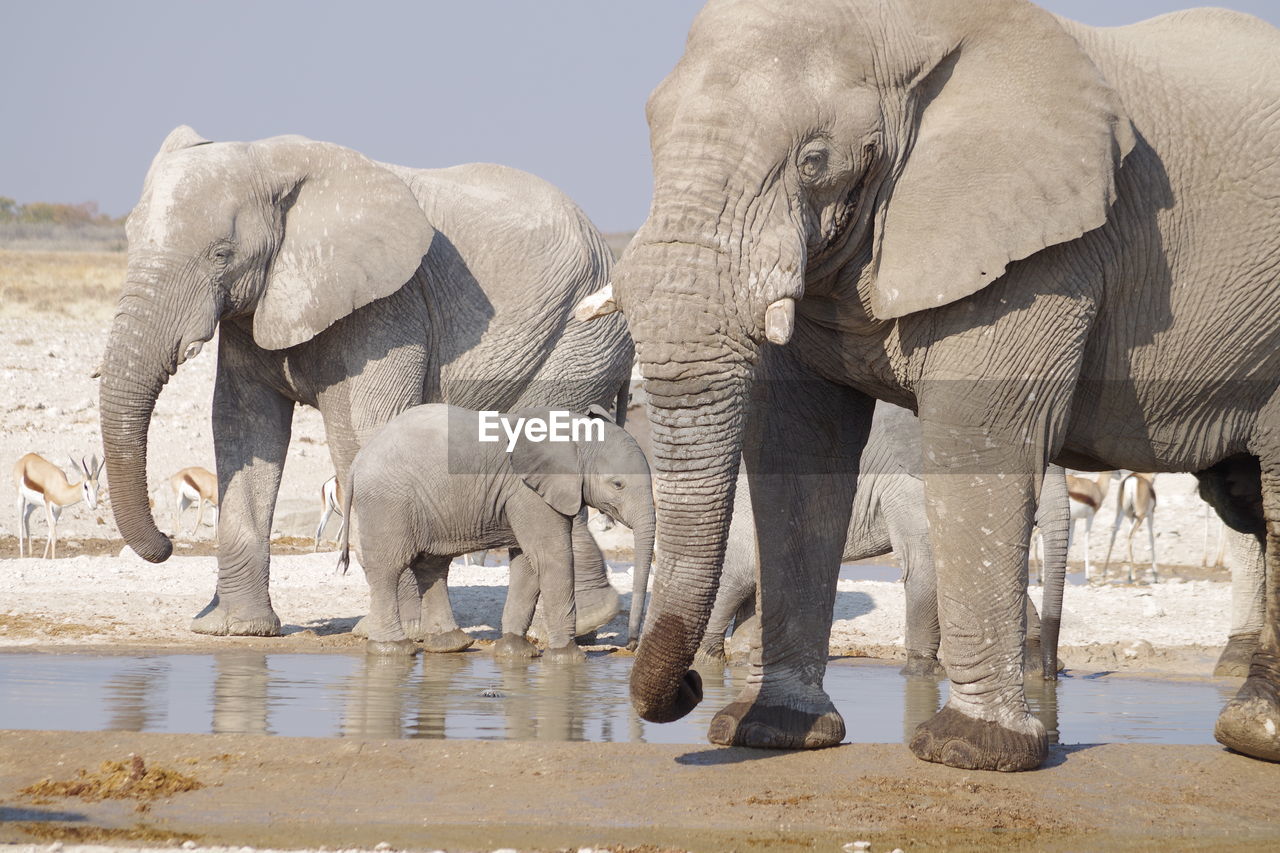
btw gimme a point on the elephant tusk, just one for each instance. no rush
(780, 320)
(598, 304)
(193, 350)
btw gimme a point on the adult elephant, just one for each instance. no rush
(1051, 241)
(889, 516)
(357, 287)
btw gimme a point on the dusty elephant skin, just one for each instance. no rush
(355, 287)
(889, 515)
(1052, 242)
(427, 490)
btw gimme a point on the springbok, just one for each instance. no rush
(39, 481)
(1209, 518)
(1086, 498)
(330, 502)
(1136, 502)
(194, 485)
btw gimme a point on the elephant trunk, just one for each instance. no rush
(644, 529)
(143, 352)
(696, 386)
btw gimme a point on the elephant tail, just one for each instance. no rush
(346, 491)
(623, 402)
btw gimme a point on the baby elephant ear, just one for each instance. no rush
(550, 468)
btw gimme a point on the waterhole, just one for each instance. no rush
(470, 695)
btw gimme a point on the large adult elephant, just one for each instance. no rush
(1051, 241)
(889, 516)
(357, 287)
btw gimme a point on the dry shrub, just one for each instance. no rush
(116, 780)
(68, 283)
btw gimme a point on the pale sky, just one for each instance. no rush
(556, 87)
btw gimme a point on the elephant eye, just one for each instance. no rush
(813, 164)
(221, 253)
(616, 485)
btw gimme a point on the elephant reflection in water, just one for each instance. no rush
(524, 702)
(240, 691)
(922, 696)
(131, 697)
(375, 697)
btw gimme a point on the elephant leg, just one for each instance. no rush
(251, 429)
(902, 506)
(804, 439)
(385, 623)
(517, 612)
(1032, 649)
(1248, 594)
(737, 593)
(596, 602)
(546, 540)
(427, 597)
(1250, 723)
(980, 485)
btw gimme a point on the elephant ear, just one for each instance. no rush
(1017, 143)
(550, 468)
(353, 233)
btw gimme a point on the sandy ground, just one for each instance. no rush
(474, 795)
(124, 600)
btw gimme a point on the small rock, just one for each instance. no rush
(382, 845)
(857, 845)
(188, 845)
(1139, 649)
(491, 693)
(54, 847)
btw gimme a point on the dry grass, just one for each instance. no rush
(67, 283)
(116, 780)
(79, 834)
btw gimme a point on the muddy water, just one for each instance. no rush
(470, 696)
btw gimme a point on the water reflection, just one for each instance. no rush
(133, 696)
(472, 696)
(241, 686)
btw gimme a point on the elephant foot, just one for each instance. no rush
(1250, 724)
(564, 654)
(955, 739)
(1236, 657)
(922, 666)
(513, 647)
(710, 656)
(218, 621)
(783, 722)
(456, 640)
(391, 648)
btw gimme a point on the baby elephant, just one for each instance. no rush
(439, 481)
